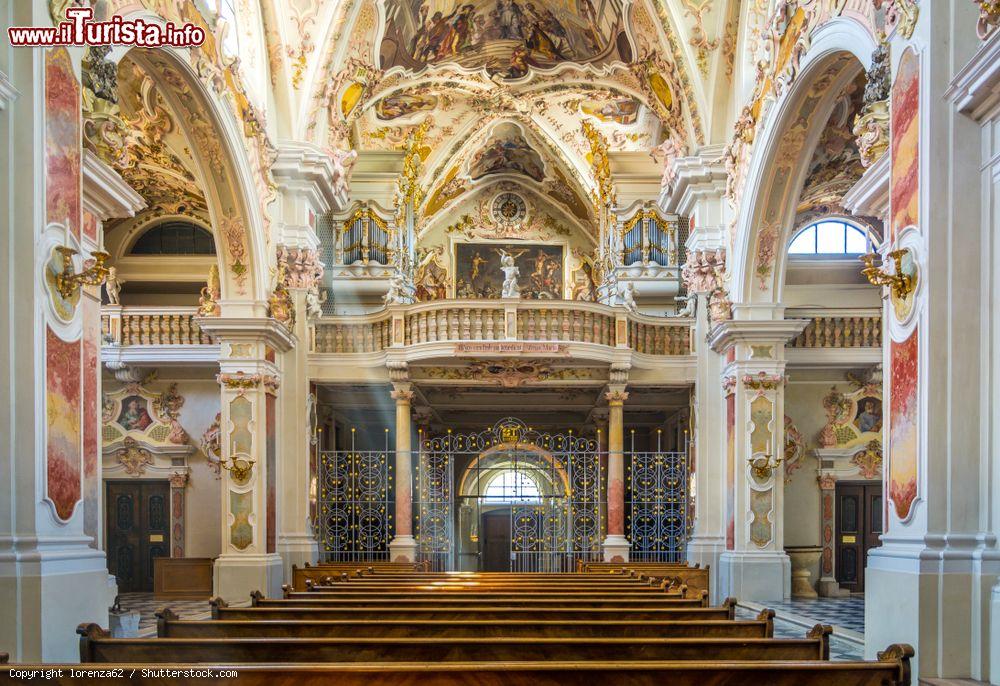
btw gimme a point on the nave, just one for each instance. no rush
(393, 623)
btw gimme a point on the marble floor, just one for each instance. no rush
(795, 616)
(147, 605)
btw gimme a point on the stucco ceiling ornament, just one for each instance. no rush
(989, 18)
(902, 14)
(510, 373)
(871, 126)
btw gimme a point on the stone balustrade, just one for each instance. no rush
(459, 321)
(830, 328)
(128, 326)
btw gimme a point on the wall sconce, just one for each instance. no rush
(239, 468)
(763, 467)
(68, 281)
(902, 284)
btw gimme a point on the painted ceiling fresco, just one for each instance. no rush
(507, 37)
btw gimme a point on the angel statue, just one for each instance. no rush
(113, 286)
(510, 274)
(689, 304)
(314, 303)
(626, 295)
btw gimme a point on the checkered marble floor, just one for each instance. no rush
(794, 617)
(147, 606)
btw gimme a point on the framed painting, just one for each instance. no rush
(478, 274)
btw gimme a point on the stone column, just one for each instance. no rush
(754, 565)
(306, 178)
(53, 571)
(249, 378)
(697, 192)
(403, 547)
(927, 585)
(616, 547)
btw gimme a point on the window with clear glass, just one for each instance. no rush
(174, 238)
(831, 237)
(511, 485)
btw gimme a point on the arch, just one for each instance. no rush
(236, 206)
(189, 239)
(783, 147)
(553, 481)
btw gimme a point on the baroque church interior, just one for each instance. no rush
(501, 341)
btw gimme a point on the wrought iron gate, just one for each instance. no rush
(550, 529)
(355, 504)
(656, 506)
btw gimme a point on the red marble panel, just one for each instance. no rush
(62, 470)
(90, 371)
(904, 412)
(62, 140)
(905, 143)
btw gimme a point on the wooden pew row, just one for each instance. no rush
(649, 586)
(97, 645)
(319, 572)
(375, 602)
(221, 610)
(170, 626)
(891, 669)
(624, 567)
(390, 593)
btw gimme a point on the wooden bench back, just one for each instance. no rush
(97, 645)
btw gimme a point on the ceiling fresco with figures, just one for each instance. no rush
(507, 37)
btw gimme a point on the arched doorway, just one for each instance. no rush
(526, 500)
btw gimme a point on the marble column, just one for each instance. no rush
(403, 547)
(616, 547)
(754, 565)
(308, 187)
(53, 572)
(929, 583)
(249, 380)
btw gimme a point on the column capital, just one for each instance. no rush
(402, 392)
(616, 395)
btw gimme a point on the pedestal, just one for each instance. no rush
(403, 548)
(803, 561)
(755, 576)
(237, 576)
(615, 549)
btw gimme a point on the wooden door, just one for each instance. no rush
(496, 541)
(859, 524)
(138, 530)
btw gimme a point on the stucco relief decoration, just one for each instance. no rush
(795, 449)
(989, 18)
(302, 266)
(853, 418)
(871, 126)
(869, 460)
(208, 301)
(133, 457)
(211, 445)
(280, 305)
(146, 417)
(703, 270)
(232, 231)
(431, 280)
(511, 373)
(762, 381)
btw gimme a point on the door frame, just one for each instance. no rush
(176, 504)
(108, 483)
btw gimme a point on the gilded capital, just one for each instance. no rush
(616, 398)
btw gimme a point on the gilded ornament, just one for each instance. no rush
(208, 301)
(989, 17)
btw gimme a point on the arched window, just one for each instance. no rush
(831, 237)
(511, 485)
(174, 238)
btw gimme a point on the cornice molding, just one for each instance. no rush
(728, 333)
(8, 93)
(696, 176)
(105, 193)
(975, 90)
(870, 195)
(270, 331)
(308, 169)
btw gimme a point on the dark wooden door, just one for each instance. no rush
(496, 541)
(138, 530)
(859, 524)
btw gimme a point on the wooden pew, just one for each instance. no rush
(221, 610)
(96, 646)
(375, 602)
(169, 625)
(321, 593)
(891, 669)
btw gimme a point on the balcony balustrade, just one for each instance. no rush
(130, 326)
(832, 329)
